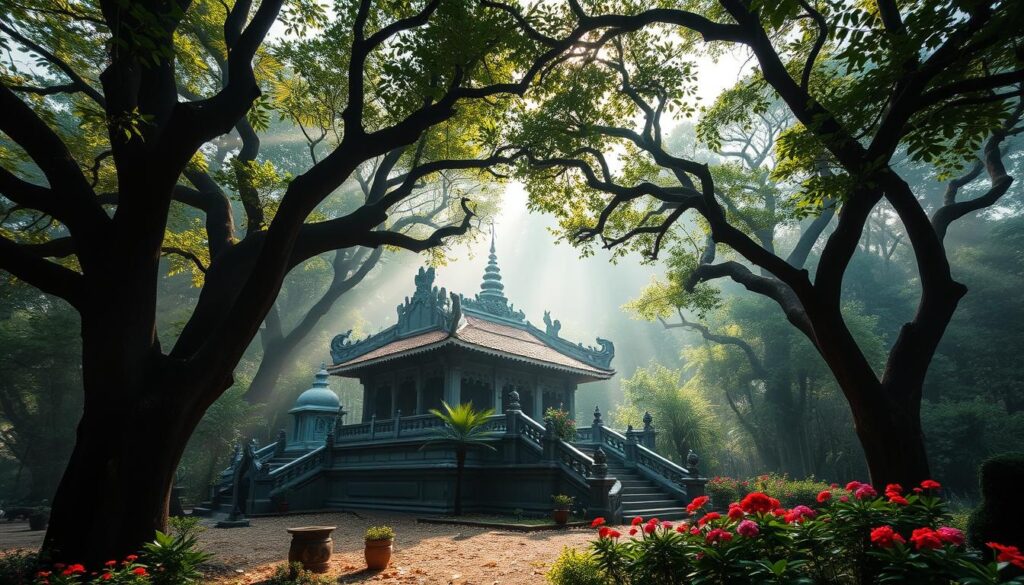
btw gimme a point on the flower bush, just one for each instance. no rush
(851, 535)
(790, 492)
(168, 560)
(565, 426)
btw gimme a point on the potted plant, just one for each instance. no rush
(39, 518)
(379, 545)
(562, 504)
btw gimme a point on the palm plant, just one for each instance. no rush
(464, 428)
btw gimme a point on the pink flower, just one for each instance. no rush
(950, 535)
(748, 528)
(865, 491)
(844, 499)
(666, 525)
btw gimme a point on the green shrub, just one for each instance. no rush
(295, 574)
(174, 560)
(379, 533)
(576, 568)
(18, 567)
(184, 526)
(853, 537)
(999, 517)
(561, 501)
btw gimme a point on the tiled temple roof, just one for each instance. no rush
(487, 323)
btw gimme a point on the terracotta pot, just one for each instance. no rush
(312, 546)
(560, 516)
(378, 553)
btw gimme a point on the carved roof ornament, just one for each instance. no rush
(438, 319)
(491, 298)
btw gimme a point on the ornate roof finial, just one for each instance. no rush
(491, 287)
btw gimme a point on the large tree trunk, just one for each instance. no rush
(140, 408)
(893, 443)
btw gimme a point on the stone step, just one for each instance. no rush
(637, 483)
(659, 513)
(647, 497)
(655, 504)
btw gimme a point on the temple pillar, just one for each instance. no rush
(419, 392)
(453, 389)
(570, 401)
(538, 404)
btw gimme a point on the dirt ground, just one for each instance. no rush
(424, 553)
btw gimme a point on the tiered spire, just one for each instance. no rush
(491, 287)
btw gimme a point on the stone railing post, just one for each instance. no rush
(630, 446)
(329, 449)
(550, 440)
(512, 411)
(373, 426)
(650, 435)
(398, 419)
(282, 442)
(695, 483)
(596, 427)
(600, 485)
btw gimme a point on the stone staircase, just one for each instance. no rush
(641, 496)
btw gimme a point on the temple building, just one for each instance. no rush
(455, 349)
(449, 348)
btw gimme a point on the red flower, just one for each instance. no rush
(885, 537)
(666, 525)
(824, 496)
(1007, 554)
(718, 535)
(950, 535)
(697, 503)
(853, 485)
(930, 484)
(893, 488)
(43, 574)
(865, 491)
(925, 537)
(599, 521)
(603, 531)
(632, 531)
(637, 520)
(682, 528)
(708, 518)
(140, 571)
(107, 576)
(799, 514)
(110, 563)
(131, 558)
(844, 498)
(695, 530)
(757, 502)
(735, 512)
(650, 528)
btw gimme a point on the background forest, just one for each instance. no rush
(721, 370)
(736, 383)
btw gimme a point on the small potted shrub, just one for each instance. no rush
(379, 545)
(562, 504)
(39, 518)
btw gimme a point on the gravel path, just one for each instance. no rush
(424, 553)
